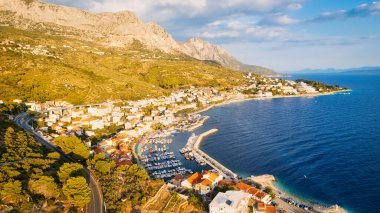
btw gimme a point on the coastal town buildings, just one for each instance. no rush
(230, 202)
(254, 193)
(260, 207)
(202, 182)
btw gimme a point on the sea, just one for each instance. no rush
(322, 149)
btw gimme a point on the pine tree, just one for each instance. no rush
(77, 191)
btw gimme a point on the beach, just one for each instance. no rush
(270, 181)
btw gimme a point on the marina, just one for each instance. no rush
(192, 152)
(159, 162)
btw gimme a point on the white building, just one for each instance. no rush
(230, 202)
(303, 87)
(97, 124)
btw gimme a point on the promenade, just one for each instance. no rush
(224, 171)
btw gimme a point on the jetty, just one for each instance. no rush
(224, 171)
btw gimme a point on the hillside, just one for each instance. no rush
(109, 29)
(119, 29)
(41, 67)
(202, 50)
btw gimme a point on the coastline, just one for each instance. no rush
(268, 98)
(269, 180)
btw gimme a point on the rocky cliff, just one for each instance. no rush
(203, 50)
(115, 29)
(111, 29)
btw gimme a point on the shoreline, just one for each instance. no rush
(268, 98)
(269, 180)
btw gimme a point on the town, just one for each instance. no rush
(138, 132)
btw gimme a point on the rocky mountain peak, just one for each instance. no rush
(113, 29)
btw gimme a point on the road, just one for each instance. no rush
(96, 204)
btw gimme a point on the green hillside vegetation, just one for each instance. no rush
(125, 187)
(84, 72)
(34, 179)
(257, 69)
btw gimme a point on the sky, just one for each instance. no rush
(285, 35)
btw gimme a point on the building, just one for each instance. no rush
(261, 207)
(254, 192)
(303, 87)
(202, 183)
(230, 202)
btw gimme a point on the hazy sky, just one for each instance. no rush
(281, 34)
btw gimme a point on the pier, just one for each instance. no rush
(224, 171)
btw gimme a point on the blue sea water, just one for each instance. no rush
(334, 140)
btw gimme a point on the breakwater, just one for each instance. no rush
(224, 171)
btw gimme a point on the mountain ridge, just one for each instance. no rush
(112, 29)
(202, 50)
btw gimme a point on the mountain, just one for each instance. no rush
(357, 70)
(50, 52)
(203, 50)
(110, 29)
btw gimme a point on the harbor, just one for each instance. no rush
(159, 162)
(192, 152)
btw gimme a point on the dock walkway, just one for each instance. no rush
(224, 171)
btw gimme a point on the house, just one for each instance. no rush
(105, 143)
(254, 192)
(176, 180)
(230, 202)
(90, 133)
(110, 150)
(97, 124)
(212, 177)
(203, 183)
(225, 182)
(192, 180)
(289, 90)
(128, 126)
(76, 113)
(261, 207)
(34, 106)
(303, 87)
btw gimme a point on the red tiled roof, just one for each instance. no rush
(270, 209)
(260, 195)
(98, 150)
(195, 178)
(225, 182)
(178, 177)
(206, 182)
(243, 186)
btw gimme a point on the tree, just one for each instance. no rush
(96, 158)
(158, 126)
(11, 192)
(77, 191)
(269, 190)
(104, 167)
(68, 170)
(45, 186)
(54, 155)
(73, 146)
(196, 200)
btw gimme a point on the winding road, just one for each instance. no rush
(96, 204)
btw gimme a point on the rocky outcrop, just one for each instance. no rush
(203, 50)
(112, 29)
